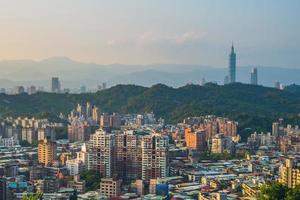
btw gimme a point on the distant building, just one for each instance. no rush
(128, 156)
(254, 76)
(31, 90)
(19, 90)
(232, 66)
(46, 152)
(221, 143)
(74, 166)
(289, 174)
(155, 161)
(110, 187)
(103, 86)
(277, 85)
(101, 153)
(78, 130)
(56, 87)
(195, 139)
(226, 80)
(77, 184)
(83, 89)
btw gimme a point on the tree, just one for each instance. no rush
(293, 194)
(32, 196)
(92, 179)
(274, 191)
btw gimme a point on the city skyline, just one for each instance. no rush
(92, 32)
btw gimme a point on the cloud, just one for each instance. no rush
(188, 37)
(148, 38)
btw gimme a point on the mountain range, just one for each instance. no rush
(74, 74)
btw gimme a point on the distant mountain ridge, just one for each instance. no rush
(74, 74)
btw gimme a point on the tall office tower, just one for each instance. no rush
(254, 76)
(155, 159)
(101, 155)
(232, 66)
(55, 85)
(195, 139)
(46, 151)
(2, 189)
(289, 174)
(78, 130)
(128, 156)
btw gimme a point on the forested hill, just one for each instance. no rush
(253, 106)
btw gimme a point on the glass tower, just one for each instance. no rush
(232, 66)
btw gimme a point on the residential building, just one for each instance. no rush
(110, 187)
(46, 151)
(155, 157)
(289, 174)
(195, 139)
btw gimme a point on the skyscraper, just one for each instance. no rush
(254, 77)
(55, 85)
(232, 66)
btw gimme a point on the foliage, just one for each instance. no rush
(219, 156)
(92, 179)
(277, 191)
(32, 197)
(61, 132)
(254, 107)
(25, 143)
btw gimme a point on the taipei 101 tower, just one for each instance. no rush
(232, 66)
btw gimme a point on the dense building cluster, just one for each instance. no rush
(137, 156)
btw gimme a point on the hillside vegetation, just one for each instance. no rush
(252, 106)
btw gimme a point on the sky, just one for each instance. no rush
(264, 32)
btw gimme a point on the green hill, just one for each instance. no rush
(252, 106)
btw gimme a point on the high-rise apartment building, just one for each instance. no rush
(46, 151)
(128, 156)
(78, 130)
(289, 174)
(96, 115)
(254, 76)
(232, 66)
(154, 156)
(195, 139)
(220, 143)
(56, 87)
(105, 120)
(101, 155)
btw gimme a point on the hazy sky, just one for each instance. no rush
(265, 32)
